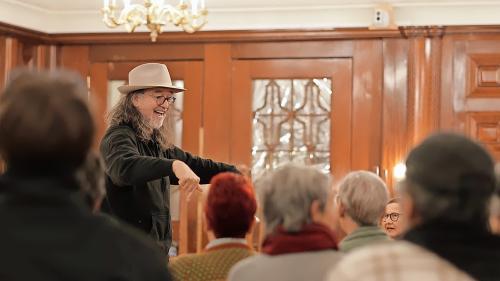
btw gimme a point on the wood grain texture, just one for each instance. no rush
(424, 70)
(485, 127)
(367, 104)
(75, 58)
(98, 96)
(146, 52)
(311, 49)
(484, 75)
(395, 106)
(217, 102)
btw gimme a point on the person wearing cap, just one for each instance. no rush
(141, 161)
(449, 181)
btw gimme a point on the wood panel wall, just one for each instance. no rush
(405, 83)
(417, 79)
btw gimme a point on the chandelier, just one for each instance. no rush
(191, 15)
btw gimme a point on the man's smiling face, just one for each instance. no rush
(153, 105)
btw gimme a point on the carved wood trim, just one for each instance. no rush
(422, 31)
(232, 36)
(485, 127)
(484, 75)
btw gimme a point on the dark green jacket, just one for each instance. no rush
(362, 236)
(138, 177)
(49, 233)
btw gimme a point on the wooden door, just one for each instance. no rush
(247, 74)
(471, 89)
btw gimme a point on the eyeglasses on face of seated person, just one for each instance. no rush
(393, 216)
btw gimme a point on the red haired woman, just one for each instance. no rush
(229, 209)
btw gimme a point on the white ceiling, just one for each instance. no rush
(86, 5)
(57, 16)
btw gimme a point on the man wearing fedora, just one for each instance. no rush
(141, 162)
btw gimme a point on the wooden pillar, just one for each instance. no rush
(41, 57)
(394, 107)
(217, 102)
(424, 69)
(98, 94)
(10, 52)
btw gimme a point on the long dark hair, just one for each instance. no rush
(124, 112)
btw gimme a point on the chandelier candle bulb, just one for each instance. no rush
(194, 6)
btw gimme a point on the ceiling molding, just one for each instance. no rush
(24, 33)
(415, 13)
(237, 36)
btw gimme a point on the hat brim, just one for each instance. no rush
(125, 89)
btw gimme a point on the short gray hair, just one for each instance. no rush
(286, 195)
(364, 196)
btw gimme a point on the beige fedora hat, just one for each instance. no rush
(149, 75)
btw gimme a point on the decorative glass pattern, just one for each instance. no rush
(291, 123)
(175, 111)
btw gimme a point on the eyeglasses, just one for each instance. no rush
(393, 216)
(160, 100)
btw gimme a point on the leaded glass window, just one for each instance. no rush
(291, 123)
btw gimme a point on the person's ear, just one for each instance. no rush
(135, 100)
(341, 209)
(315, 211)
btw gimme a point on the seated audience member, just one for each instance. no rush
(229, 210)
(393, 219)
(449, 181)
(298, 208)
(495, 213)
(495, 205)
(46, 130)
(91, 179)
(361, 202)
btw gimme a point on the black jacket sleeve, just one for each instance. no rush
(203, 168)
(124, 164)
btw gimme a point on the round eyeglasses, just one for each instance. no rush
(393, 216)
(160, 100)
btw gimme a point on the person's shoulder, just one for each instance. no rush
(245, 268)
(181, 265)
(125, 239)
(182, 260)
(115, 132)
(120, 129)
(380, 258)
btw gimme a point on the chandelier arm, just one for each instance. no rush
(154, 14)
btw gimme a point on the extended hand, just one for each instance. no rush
(188, 180)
